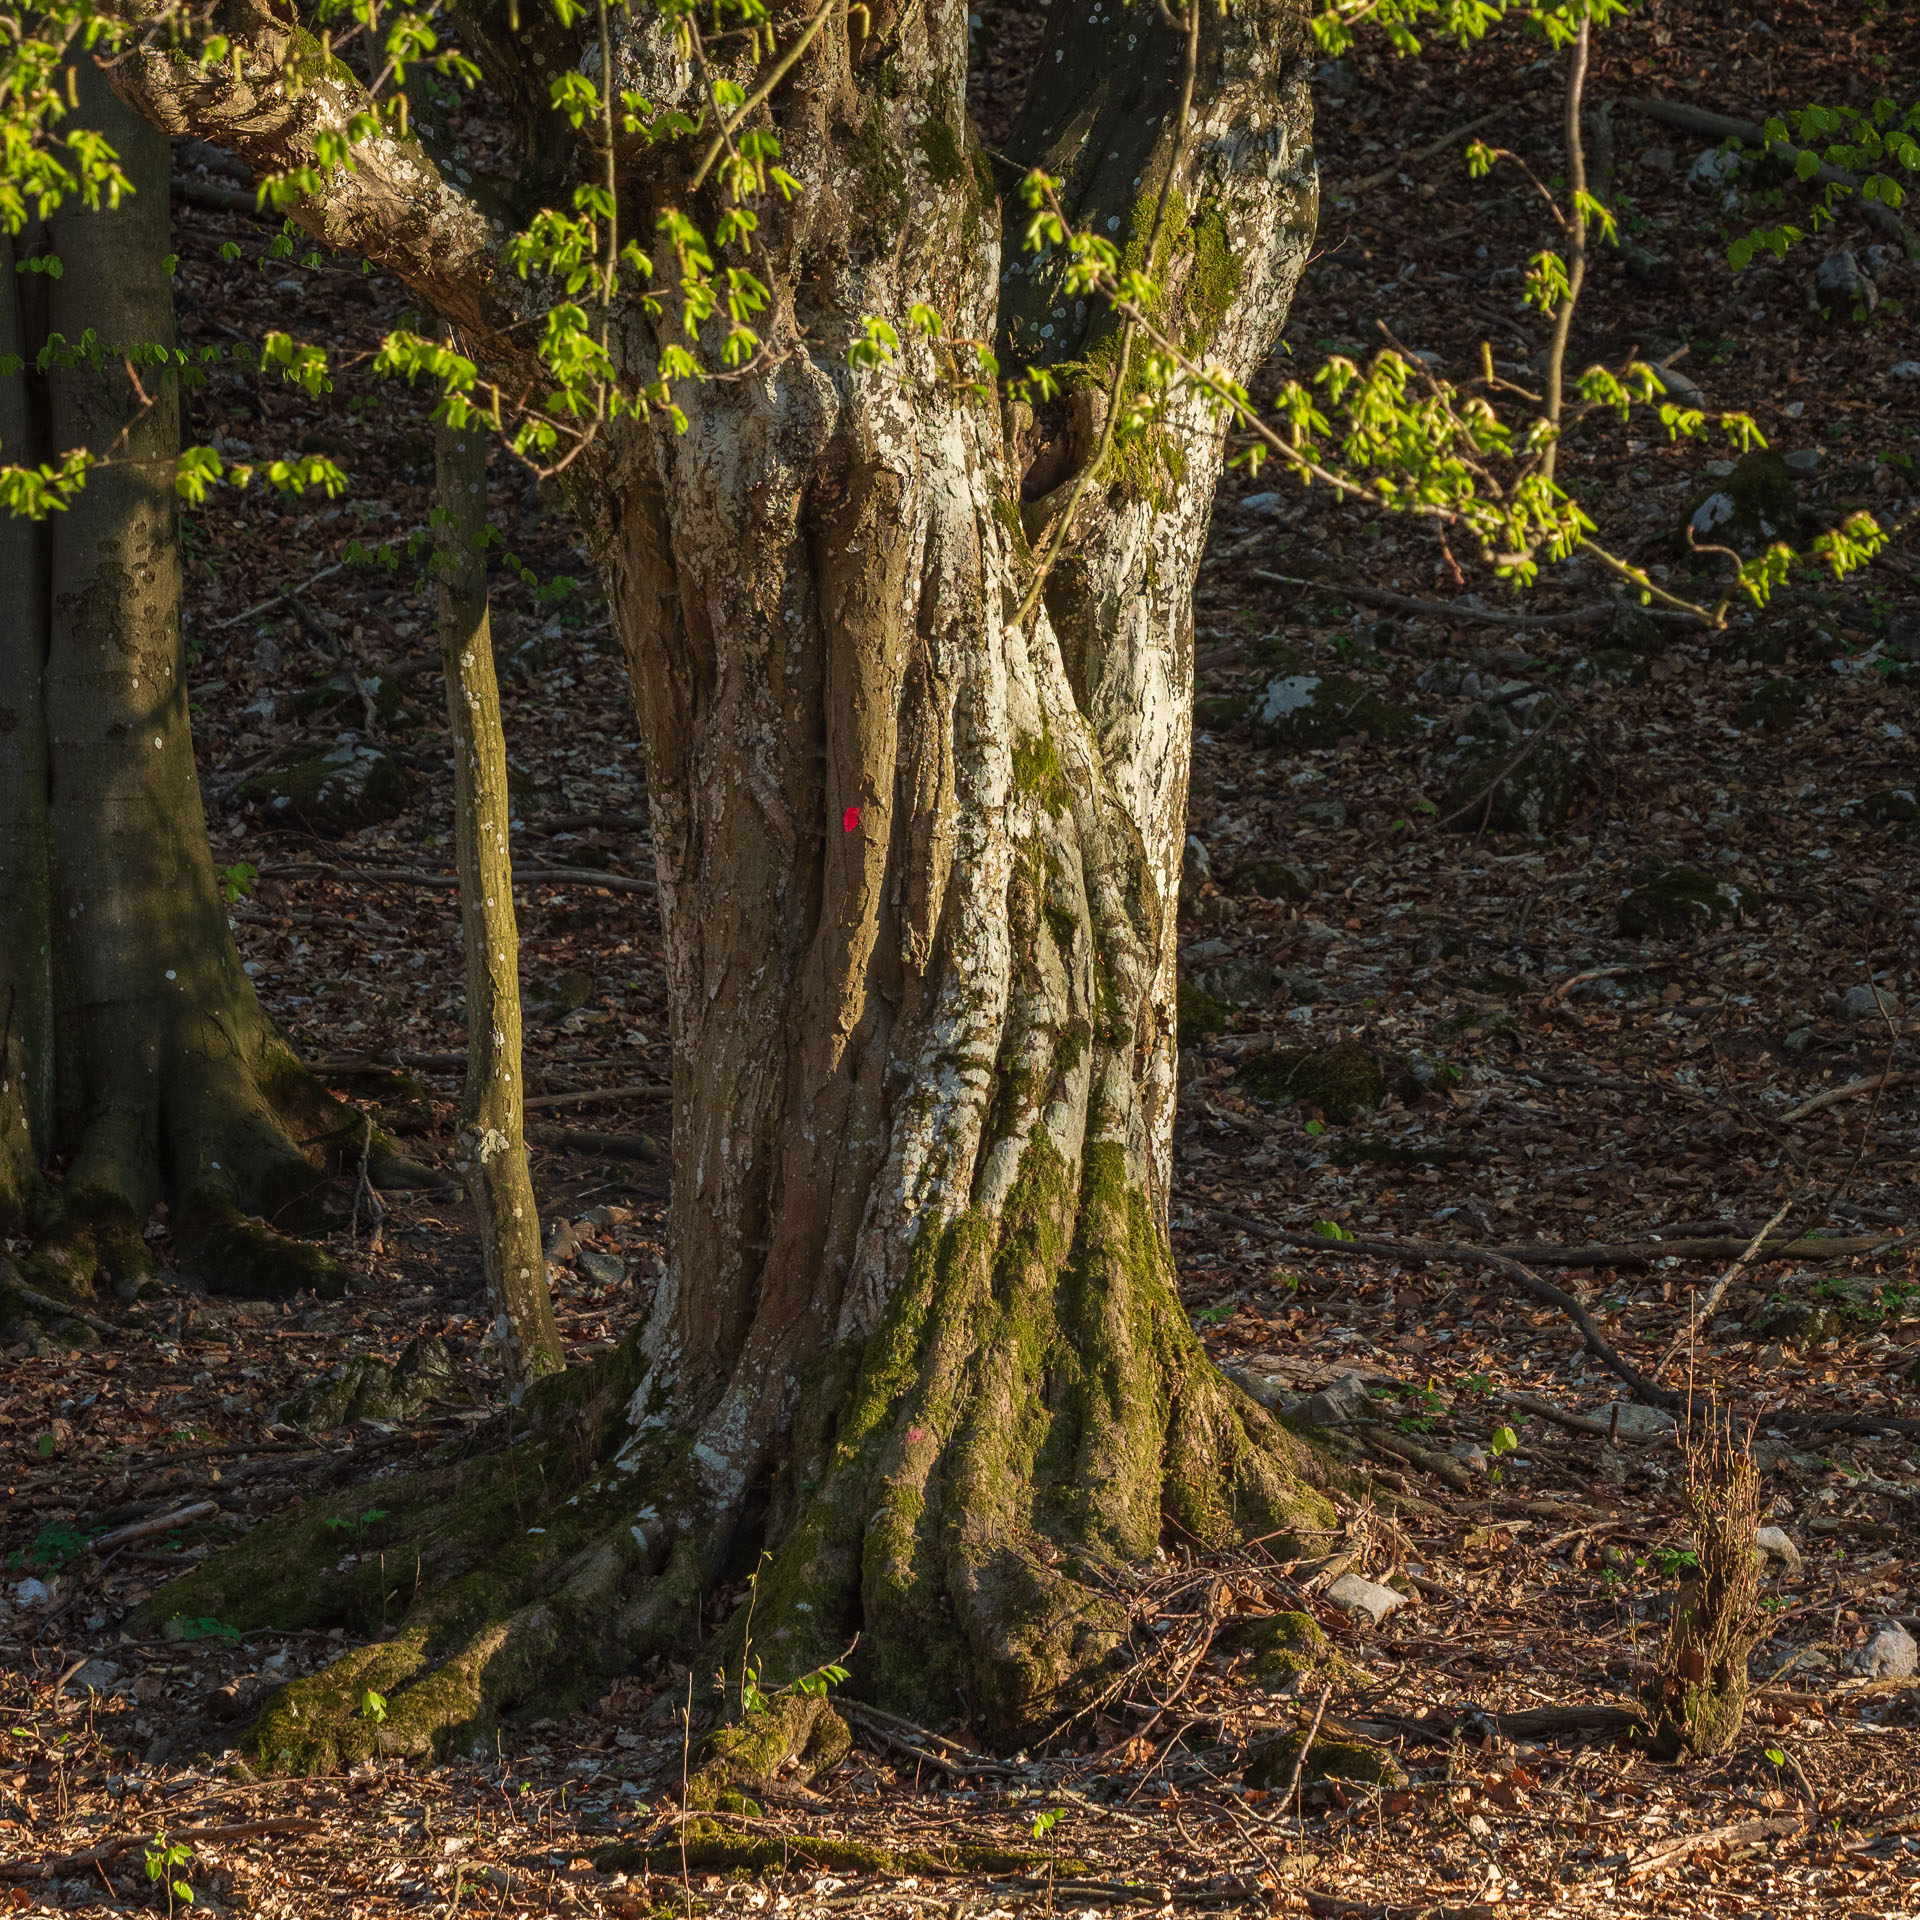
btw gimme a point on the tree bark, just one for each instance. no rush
(492, 1142)
(918, 850)
(136, 1053)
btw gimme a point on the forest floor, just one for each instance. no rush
(1521, 1068)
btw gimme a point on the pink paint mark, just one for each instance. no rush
(850, 819)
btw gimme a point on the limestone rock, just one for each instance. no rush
(1272, 1765)
(1365, 1596)
(1889, 1655)
(1775, 703)
(1755, 505)
(1319, 710)
(1679, 903)
(1273, 879)
(1343, 1081)
(334, 793)
(1496, 788)
(1775, 1544)
(1890, 807)
(367, 1389)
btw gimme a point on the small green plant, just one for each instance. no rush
(236, 881)
(1477, 1384)
(1428, 1404)
(166, 1866)
(1315, 1128)
(373, 1706)
(1045, 1823)
(1332, 1230)
(1671, 1562)
(1503, 1441)
(203, 1627)
(1777, 1756)
(356, 1524)
(1212, 1316)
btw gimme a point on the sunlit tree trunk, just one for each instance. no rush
(492, 1139)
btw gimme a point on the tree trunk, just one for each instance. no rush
(918, 851)
(492, 1145)
(137, 1058)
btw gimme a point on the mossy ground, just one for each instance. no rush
(1678, 905)
(1343, 1081)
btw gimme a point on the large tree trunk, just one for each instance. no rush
(918, 860)
(137, 1058)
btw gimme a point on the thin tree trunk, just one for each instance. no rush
(493, 1147)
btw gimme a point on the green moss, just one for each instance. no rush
(794, 1735)
(1495, 790)
(1839, 1305)
(1754, 506)
(1221, 710)
(1350, 1761)
(1200, 1013)
(946, 162)
(1273, 879)
(1679, 904)
(1343, 1081)
(884, 176)
(1284, 1647)
(1320, 710)
(1038, 774)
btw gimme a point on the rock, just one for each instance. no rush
(1315, 710)
(1889, 1655)
(1837, 1304)
(1713, 171)
(1272, 1764)
(1472, 1457)
(1659, 160)
(1331, 814)
(1262, 504)
(1619, 666)
(367, 1389)
(1842, 289)
(95, 1677)
(334, 793)
(1678, 904)
(1906, 370)
(1337, 1405)
(1495, 790)
(1774, 1543)
(237, 1699)
(32, 1593)
(607, 1268)
(1343, 1081)
(1221, 710)
(1754, 506)
(1633, 1421)
(1299, 989)
(1285, 1647)
(1805, 460)
(1890, 807)
(1863, 1003)
(1363, 1596)
(1680, 388)
(1240, 983)
(1199, 1013)
(1273, 879)
(1196, 870)
(1775, 703)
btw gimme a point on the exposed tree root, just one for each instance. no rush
(979, 1492)
(712, 1847)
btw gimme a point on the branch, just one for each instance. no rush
(394, 206)
(1461, 610)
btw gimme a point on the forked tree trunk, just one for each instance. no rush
(918, 855)
(137, 1060)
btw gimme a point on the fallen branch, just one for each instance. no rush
(277, 598)
(1873, 1083)
(412, 877)
(1433, 147)
(1580, 1423)
(1459, 610)
(599, 1096)
(1721, 126)
(67, 1863)
(1706, 1310)
(612, 1146)
(1644, 1254)
(1339, 1906)
(1443, 1466)
(1415, 1254)
(1741, 1832)
(160, 1523)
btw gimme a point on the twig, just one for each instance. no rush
(1832, 1097)
(1623, 1253)
(278, 598)
(411, 877)
(1671, 1851)
(1457, 610)
(159, 1523)
(68, 1863)
(1406, 160)
(1719, 1287)
(1300, 1760)
(10, 1278)
(598, 1096)
(1579, 1423)
(614, 1146)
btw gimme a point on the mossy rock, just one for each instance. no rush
(368, 1389)
(1679, 904)
(1315, 710)
(337, 690)
(1489, 793)
(1285, 1648)
(1273, 879)
(1352, 1762)
(1842, 1304)
(1752, 507)
(1221, 710)
(1200, 1013)
(1890, 807)
(1775, 703)
(1633, 630)
(331, 794)
(399, 1100)
(1614, 666)
(1343, 1081)
(796, 1737)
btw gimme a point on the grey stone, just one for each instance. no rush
(1264, 504)
(1473, 1457)
(1679, 387)
(1335, 1405)
(96, 1676)
(1363, 1596)
(1634, 1422)
(32, 1593)
(1273, 879)
(1842, 287)
(1906, 370)
(1320, 710)
(1713, 170)
(1323, 813)
(333, 793)
(1200, 952)
(1864, 1003)
(1678, 903)
(1299, 989)
(609, 1269)
(1195, 867)
(1776, 1545)
(1804, 460)
(1889, 1655)
(1659, 160)
(1890, 807)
